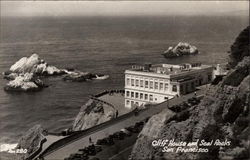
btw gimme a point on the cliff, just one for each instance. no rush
(91, 114)
(222, 114)
(240, 48)
(31, 140)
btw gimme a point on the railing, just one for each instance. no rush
(108, 92)
(109, 104)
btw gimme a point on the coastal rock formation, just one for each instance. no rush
(78, 76)
(150, 132)
(24, 82)
(34, 67)
(222, 114)
(31, 140)
(91, 114)
(180, 49)
(24, 74)
(34, 64)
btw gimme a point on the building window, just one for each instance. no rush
(132, 103)
(166, 98)
(174, 89)
(161, 86)
(132, 94)
(136, 95)
(137, 103)
(127, 93)
(146, 84)
(146, 96)
(141, 83)
(127, 102)
(150, 97)
(132, 82)
(151, 85)
(166, 86)
(141, 95)
(128, 81)
(156, 85)
(137, 83)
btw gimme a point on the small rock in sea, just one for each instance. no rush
(180, 49)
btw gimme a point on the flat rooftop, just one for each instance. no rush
(168, 69)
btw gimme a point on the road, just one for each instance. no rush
(72, 147)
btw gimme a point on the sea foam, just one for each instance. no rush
(7, 147)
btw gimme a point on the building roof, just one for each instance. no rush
(168, 69)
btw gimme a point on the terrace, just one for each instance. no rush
(117, 100)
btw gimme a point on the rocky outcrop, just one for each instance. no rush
(91, 114)
(25, 82)
(150, 132)
(78, 76)
(34, 67)
(34, 64)
(31, 140)
(222, 114)
(24, 74)
(180, 49)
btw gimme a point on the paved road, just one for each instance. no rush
(73, 147)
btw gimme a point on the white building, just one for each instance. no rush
(157, 83)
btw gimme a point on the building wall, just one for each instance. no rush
(161, 87)
(140, 97)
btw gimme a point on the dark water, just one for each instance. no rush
(106, 45)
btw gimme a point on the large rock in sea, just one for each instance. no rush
(39, 68)
(92, 114)
(24, 82)
(24, 74)
(222, 114)
(34, 64)
(31, 140)
(180, 49)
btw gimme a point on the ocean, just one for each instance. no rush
(106, 45)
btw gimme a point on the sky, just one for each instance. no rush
(120, 8)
